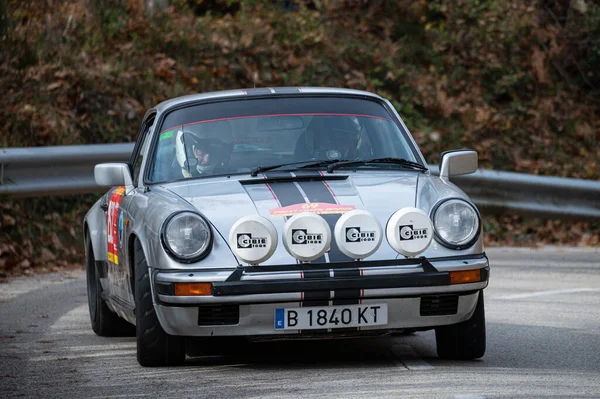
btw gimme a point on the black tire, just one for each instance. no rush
(466, 340)
(154, 346)
(105, 322)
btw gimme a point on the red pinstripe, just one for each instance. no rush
(274, 196)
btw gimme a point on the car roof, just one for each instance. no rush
(262, 91)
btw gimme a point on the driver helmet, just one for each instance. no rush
(333, 137)
(203, 148)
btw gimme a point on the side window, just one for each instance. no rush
(140, 150)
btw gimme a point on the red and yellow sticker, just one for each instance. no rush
(112, 224)
(320, 208)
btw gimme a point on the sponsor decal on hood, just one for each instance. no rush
(320, 208)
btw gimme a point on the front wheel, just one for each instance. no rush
(154, 346)
(466, 340)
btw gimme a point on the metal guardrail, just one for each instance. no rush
(62, 170)
(532, 195)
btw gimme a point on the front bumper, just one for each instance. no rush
(253, 293)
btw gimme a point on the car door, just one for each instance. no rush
(119, 221)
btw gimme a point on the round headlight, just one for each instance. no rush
(187, 237)
(456, 223)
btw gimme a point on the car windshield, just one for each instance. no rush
(235, 137)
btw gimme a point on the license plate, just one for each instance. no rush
(342, 316)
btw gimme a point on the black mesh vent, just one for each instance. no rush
(218, 315)
(439, 305)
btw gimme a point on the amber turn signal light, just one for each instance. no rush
(465, 276)
(193, 289)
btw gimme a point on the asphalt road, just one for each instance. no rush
(543, 323)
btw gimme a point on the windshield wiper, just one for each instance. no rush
(316, 164)
(395, 161)
(322, 163)
(259, 169)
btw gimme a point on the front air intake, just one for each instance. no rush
(439, 305)
(218, 315)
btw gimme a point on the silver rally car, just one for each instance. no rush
(283, 213)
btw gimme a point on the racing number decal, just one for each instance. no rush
(112, 224)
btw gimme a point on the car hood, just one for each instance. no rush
(274, 196)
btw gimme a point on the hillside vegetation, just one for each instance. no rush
(517, 80)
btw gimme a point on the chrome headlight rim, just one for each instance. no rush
(445, 243)
(176, 256)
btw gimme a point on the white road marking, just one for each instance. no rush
(71, 356)
(111, 345)
(406, 354)
(469, 396)
(75, 322)
(551, 292)
(22, 285)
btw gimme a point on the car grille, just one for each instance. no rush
(439, 305)
(218, 315)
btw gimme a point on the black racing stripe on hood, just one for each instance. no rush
(286, 193)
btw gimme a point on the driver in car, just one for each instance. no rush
(204, 149)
